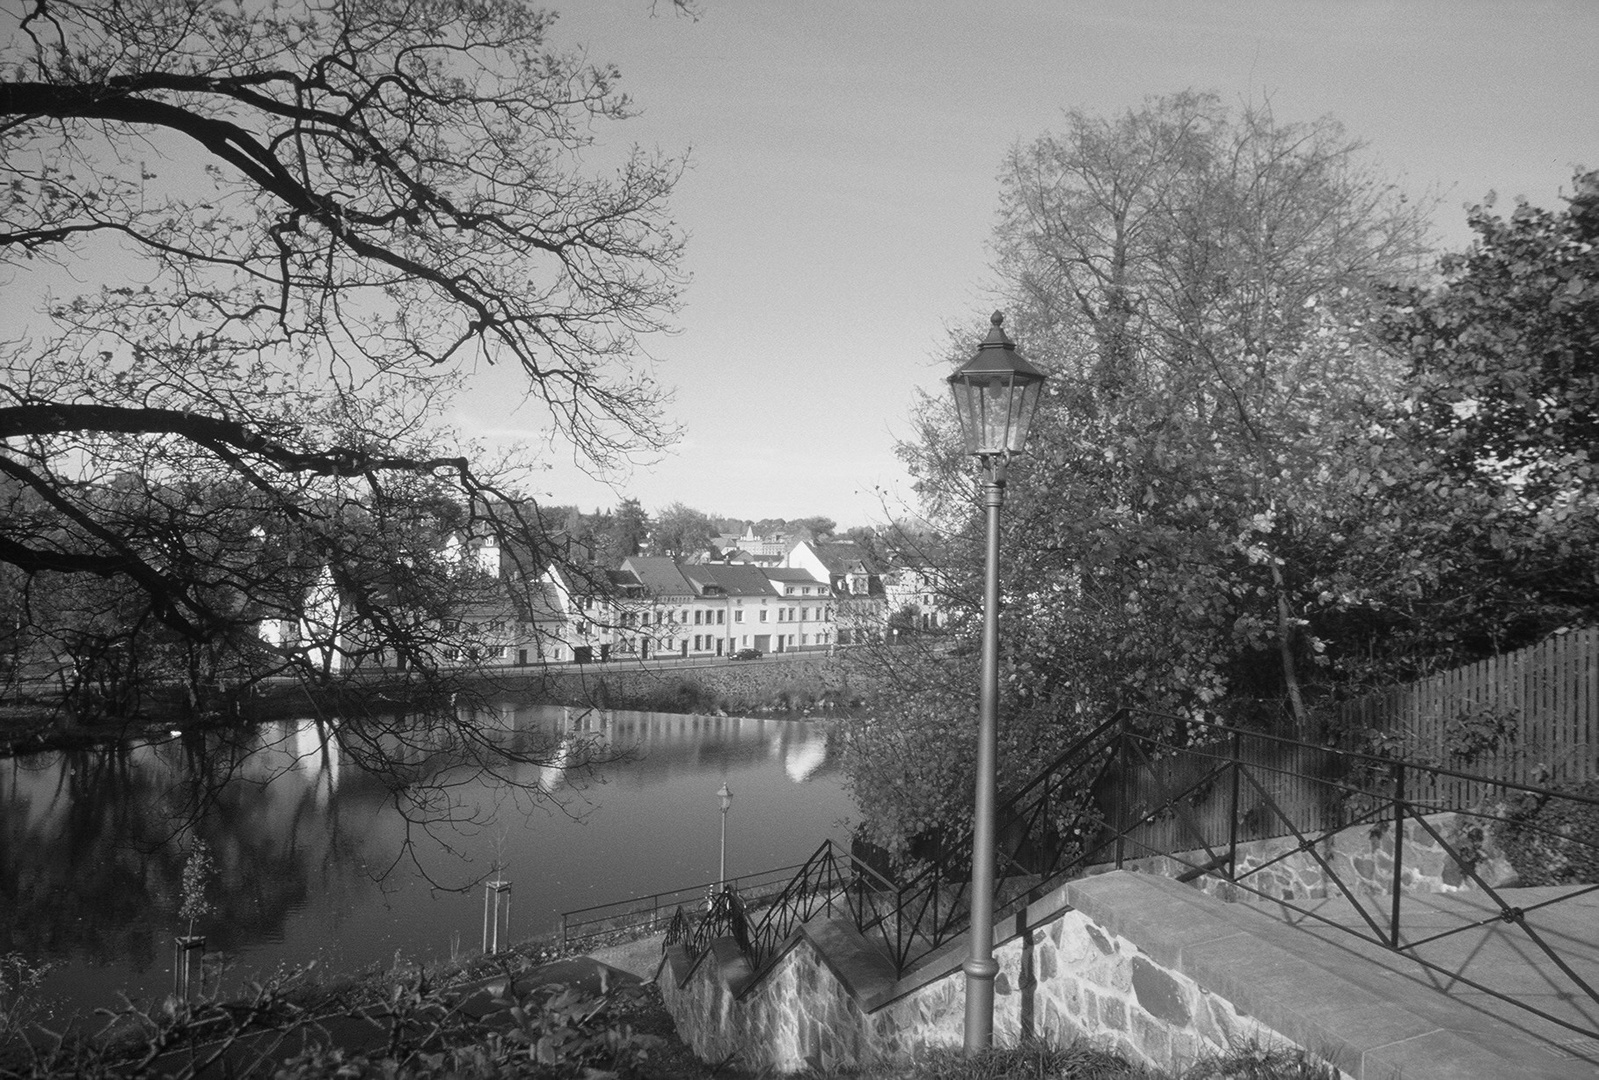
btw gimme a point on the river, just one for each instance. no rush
(319, 860)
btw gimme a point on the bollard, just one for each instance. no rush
(491, 920)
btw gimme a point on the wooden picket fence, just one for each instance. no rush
(1547, 695)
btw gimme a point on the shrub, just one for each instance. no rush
(1551, 840)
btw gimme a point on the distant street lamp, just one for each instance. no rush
(727, 800)
(996, 394)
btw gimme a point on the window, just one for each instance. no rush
(721, 618)
(763, 614)
(696, 643)
(788, 590)
(697, 616)
(738, 616)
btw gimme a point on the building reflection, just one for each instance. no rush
(92, 843)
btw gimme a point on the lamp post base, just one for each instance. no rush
(980, 974)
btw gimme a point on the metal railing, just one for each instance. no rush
(1167, 780)
(1142, 785)
(650, 914)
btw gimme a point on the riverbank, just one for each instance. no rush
(801, 685)
(488, 1016)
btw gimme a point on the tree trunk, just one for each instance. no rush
(1285, 648)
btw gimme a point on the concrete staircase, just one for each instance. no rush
(1164, 973)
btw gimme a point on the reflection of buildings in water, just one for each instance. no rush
(314, 757)
(803, 759)
(551, 775)
(666, 742)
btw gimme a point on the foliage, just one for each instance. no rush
(908, 757)
(332, 212)
(1195, 281)
(1080, 1060)
(1552, 840)
(415, 1025)
(630, 529)
(1468, 526)
(813, 528)
(681, 531)
(20, 1005)
(1190, 274)
(198, 870)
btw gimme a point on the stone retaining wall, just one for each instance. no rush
(1362, 856)
(801, 681)
(831, 999)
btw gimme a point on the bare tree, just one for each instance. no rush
(304, 226)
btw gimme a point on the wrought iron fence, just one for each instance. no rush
(1193, 792)
(648, 914)
(1280, 788)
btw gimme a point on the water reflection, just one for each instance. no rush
(319, 855)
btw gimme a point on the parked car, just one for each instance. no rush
(747, 654)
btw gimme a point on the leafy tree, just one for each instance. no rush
(1183, 266)
(813, 528)
(681, 531)
(330, 213)
(1468, 523)
(630, 528)
(1195, 279)
(1190, 274)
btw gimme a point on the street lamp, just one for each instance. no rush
(727, 800)
(996, 394)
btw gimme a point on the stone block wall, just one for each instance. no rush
(1362, 856)
(781, 682)
(829, 1001)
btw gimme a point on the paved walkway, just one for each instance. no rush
(1378, 1014)
(1463, 941)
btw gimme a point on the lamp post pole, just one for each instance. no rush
(980, 966)
(727, 800)
(996, 394)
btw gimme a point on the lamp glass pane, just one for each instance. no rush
(1023, 406)
(963, 409)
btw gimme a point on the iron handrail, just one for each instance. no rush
(1080, 812)
(577, 930)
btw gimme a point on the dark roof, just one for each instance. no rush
(659, 575)
(624, 582)
(842, 556)
(736, 579)
(793, 573)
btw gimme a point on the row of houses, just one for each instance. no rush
(814, 596)
(802, 595)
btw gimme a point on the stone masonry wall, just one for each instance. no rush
(1362, 856)
(1066, 978)
(806, 678)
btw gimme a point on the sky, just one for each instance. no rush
(843, 186)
